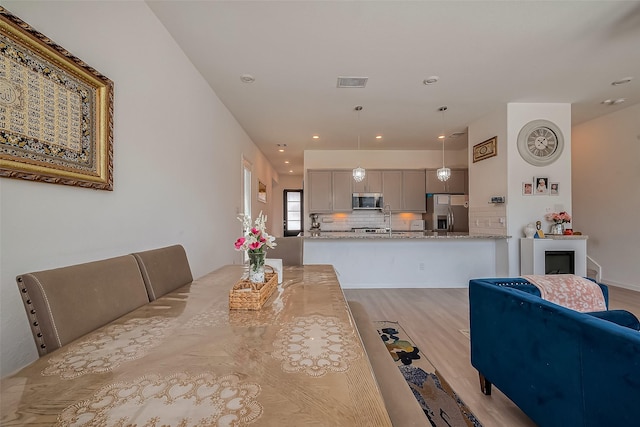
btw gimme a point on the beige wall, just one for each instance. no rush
(606, 193)
(177, 163)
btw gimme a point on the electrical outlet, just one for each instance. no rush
(547, 210)
(421, 266)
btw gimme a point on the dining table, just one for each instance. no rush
(187, 359)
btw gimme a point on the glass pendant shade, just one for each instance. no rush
(443, 174)
(358, 174)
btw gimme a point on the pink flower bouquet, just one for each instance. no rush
(558, 218)
(255, 239)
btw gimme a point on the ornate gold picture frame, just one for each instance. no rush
(56, 112)
(485, 149)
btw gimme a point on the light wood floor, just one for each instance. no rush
(434, 317)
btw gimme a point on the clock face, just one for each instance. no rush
(540, 142)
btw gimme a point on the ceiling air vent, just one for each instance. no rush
(352, 81)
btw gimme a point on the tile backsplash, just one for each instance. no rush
(489, 220)
(372, 219)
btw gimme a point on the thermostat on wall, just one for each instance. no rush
(497, 199)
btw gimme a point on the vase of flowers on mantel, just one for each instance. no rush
(559, 219)
(255, 241)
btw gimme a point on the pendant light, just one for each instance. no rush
(358, 173)
(443, 173)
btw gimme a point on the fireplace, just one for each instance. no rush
(559, 262)
(559, 255)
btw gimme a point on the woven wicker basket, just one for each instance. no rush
(246, 295)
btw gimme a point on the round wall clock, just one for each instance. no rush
(540, 142)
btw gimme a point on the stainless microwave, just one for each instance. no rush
(367, 201)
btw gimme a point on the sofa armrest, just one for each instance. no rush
(619, 317)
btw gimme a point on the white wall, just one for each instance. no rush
(383, 159)
(606, 193)
(503, 175)
(177, 163)
(522, 210)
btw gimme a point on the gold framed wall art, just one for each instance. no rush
(485, 149)
(56, 112)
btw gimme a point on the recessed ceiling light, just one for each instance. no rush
(291, 171)
(378, 136)
(286, 161)
(622, 81)
(613, 101)
(247, 78)
(431, 80)
(315, 137)
(440, 136)
(281, 150)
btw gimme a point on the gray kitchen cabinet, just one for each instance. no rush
(341, 190)
(392, 189)
(329, 190)
(320, 191)
(457, 183)
(372, 183)
(413, 191)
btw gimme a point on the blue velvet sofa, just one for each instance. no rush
(561, 367)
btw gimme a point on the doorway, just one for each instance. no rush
(292, 218)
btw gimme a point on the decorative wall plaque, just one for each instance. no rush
(56, 112)
(485, 149)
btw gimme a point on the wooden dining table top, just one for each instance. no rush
(186, 359)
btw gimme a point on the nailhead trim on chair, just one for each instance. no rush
(33, 320)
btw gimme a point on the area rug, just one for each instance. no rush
(440, 403)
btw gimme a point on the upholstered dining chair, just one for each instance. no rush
(66, 303)
(164, 270)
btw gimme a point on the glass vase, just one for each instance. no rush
(256, 267)
(557, 228)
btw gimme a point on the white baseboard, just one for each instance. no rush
(621, 285)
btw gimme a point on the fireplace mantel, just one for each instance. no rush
(532, 253)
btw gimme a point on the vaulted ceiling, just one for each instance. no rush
(484, 53)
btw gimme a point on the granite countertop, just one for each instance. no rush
(425, 235)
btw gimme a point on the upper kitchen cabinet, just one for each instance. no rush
(392, 189)
(320, 191)
(457, 183)
(413, 191)
(341, 189)
(329, 191)
(372, 183)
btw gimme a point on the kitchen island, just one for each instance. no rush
(407, 259)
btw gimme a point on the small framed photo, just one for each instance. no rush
(527, 189)
(554, 188)
(541, 185)
(262, 192)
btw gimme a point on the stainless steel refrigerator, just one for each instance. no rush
(447, 212)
